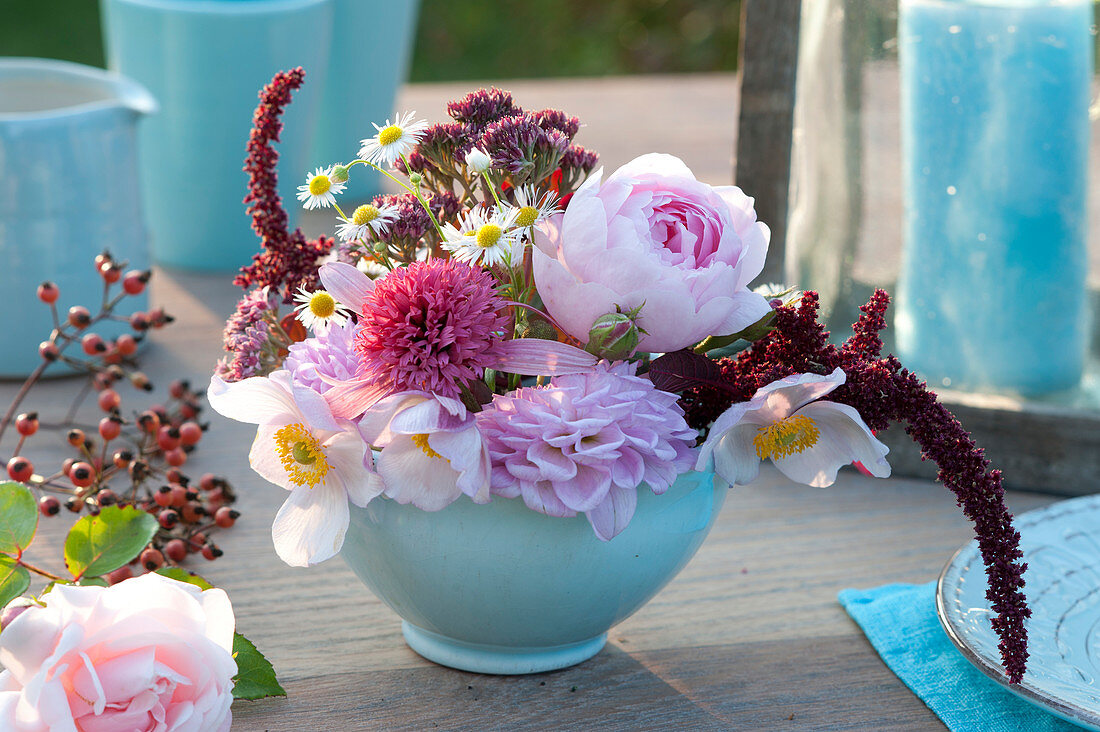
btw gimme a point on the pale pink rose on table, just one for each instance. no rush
(651, 233)
(146, 655)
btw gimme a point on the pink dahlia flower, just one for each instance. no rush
(431, 326)
(651, 235)
(585, 443)
(324, 359)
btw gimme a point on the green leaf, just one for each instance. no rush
(183, 575)
(18, 517)
(14, 580)
(100, 544)
(255, 677)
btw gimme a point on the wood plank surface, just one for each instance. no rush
(749, 636)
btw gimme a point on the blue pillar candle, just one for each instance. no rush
(995, 136)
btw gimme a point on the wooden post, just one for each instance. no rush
(769, 59)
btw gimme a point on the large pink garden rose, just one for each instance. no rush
(651, 233)
(146, 655)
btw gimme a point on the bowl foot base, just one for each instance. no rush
(492, 659)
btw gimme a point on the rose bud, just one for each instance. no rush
(614, 336)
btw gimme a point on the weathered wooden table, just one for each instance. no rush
(749, 636)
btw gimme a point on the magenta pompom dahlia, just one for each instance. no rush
(584, 444)
(431, 326)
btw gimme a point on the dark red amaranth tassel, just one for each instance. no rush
(287, 260)
(882, 391)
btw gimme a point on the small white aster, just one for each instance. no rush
(370, 267)
(532, 207)
(319, 189)
(318, 308)
(367, 216)
(397, 138)
(484, 237)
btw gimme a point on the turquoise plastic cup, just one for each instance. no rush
(68, 190)
(206, 61)
(363, 79)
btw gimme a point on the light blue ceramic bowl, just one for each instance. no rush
(205, 61)
(68, 190)
(501, 589)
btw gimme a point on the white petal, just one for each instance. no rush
(843, 439)
(726, 420)
(613, 513)
(413, 477)
(735, 458)
(469, 456)
(374, 424)
(264, 458)
(311, 524)
(347, 284)
(255, 400)
(345, 453)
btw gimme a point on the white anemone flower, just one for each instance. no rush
(533, 208)
(316, 309)
(432, 451)
(486, 238)
(807, 439)
(364, 218)
(396, 138)
(319, 190)
(299, 446)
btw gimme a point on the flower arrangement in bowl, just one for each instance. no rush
(527, 384)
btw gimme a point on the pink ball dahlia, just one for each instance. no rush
(430, 327)
(584, 444)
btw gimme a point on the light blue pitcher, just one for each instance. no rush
(68, 190)
(206, 60)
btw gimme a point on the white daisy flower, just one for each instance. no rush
(484, 237)
(368, 266)
(478, 161)
(397, 138)
(532, 207)
(367, 216)
(319, 189)
(318, 308)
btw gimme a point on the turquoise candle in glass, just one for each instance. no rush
(995, 136)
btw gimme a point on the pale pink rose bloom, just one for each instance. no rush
(652, 234)
(432, 451)
(149, 654)
(807, 438)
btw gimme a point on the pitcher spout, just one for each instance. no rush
(134, 96)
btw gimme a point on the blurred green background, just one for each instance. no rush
(470, 39)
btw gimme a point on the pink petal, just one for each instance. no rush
(349, 399)
(534, 357)
(613, 514)
(780, 399)
(347, 284)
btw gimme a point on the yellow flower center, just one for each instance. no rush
(364, 215)
(319, 185)
(786, 437)
(488, 235)
(421, 441)
(527, 216)
(389, 135)
(322, 305)
(301, 454)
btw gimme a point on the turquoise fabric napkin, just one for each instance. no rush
(901, 623)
